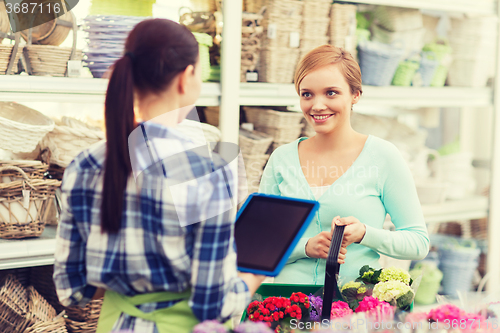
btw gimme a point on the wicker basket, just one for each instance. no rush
(254, 165)
(254, 6)
(284, 8)
(398, 19)
(343, 27)
(68, 139)
(316, 9)
(47, 60)
(84, 320)
(13, 305)
(42, 281)
(315, 28)
(53, 32)
(21, 128)
(25, 216)
(479, 228)
(287, 134)
(4, 20)
(6, 53)
(212, 115)
(262, 117)
(33, 169)
(254, 143)
(54, 325)
(378, 62)
(251, 42)
(279, 30)
(277, 65)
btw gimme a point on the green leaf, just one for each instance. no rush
(364, 269)
(376, 276)
(405, 300)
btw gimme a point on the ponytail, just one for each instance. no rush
(120, 122)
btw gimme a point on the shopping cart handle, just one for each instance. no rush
(331, 272)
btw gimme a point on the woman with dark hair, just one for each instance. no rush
(120, 227)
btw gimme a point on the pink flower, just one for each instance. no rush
(340, 309)
(446, 311)
(376, 309)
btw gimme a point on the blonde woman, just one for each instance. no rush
(356, 178)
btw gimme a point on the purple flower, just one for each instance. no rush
(209, 326)
(316, 308)
(252, 327)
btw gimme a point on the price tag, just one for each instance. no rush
(26, 199)
(272, 31)
(294, 39)
(252, 76)
(74, 68)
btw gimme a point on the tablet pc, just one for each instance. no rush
(267, 230)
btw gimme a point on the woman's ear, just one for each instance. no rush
(185, 78)
(356, 97)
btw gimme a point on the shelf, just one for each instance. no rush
(255, 94)
(24, 88)
(483, 7)
(474, 207)
(18, 253)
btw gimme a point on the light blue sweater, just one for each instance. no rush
(378, 183)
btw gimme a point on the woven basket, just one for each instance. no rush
(47, 60)
(405, 73)
(21, 128)
(254, 166)
(33, 169)
(284, 8)
(212, 115)
(203, 5)
(277, 65)
(6, 53)
(316, 27)
(43, 282)
(278, 30)
(4, 19)
(316, 9)
(55, 325)
(251, 42)
(286, 134)
(270, 118)
(84, 320)
(378, 62)
(412, 40)
(469, 72)
(343, 27)
(254, 143)
(23, 275)
(68, 139)
(20, 216)
(53, 32)
(398, 19)
(479, 228)
(254, 6)
(13, 305)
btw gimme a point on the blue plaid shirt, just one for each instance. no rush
(152, 251)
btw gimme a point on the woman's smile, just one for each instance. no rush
(321, 118)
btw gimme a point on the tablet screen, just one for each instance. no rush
(266, 228)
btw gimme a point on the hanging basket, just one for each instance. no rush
(24, 205)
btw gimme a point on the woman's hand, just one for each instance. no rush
(319, 245)
(354, 230)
